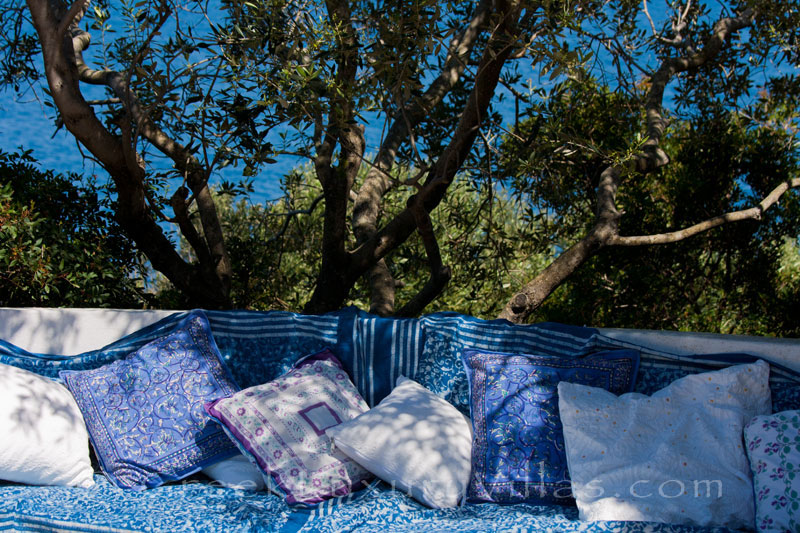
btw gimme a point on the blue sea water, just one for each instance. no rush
(26, 124)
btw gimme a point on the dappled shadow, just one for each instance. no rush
(39, 408)
(71, 331)
(413, 436)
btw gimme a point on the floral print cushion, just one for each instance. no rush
(518, 445)
(773, 447)
(145, 414)
(281, 427)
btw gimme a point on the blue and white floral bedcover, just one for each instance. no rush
(260, 346)
(197, 506)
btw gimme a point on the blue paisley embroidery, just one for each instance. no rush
(144, 412)
(518, 446)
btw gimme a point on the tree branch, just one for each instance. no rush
(499, 47)
(753, 213)
(440, 274)
(650, 19)
(378, 181)
(533, 293)
(656, 124)
(64, 68)
(73, 16)
(107, 101)
(291, 214)
(337, 183)
(184, 160)
(678, 27)
(180, 208)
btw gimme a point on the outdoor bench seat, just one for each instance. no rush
(260, 346)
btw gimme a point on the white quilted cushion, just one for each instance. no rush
(413, 440)
(43, 438)
(676, 456)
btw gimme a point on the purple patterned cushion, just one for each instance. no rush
(145, 412)
(518, 445)
(281, 427)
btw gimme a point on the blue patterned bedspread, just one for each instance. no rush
(198, 506)
(259, 346)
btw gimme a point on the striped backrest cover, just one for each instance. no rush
(259, 346)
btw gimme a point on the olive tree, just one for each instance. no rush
(202, 85)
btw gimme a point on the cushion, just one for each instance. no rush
(43, 439)
(676, 456)
(447, 335)
(236, 472)
(281, 426)
(413, 440)
(145, 412)
(518, 446)
(773, 446)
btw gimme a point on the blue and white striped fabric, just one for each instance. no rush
(544, 338)
(383, 350)
(447, 335)
(260, 346)
(659, 368)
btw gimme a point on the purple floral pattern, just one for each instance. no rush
(773, 447)
(518, 445)
(280, 426)
(144, 412)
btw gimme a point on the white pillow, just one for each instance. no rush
(236, 472)
(676, 456)
(43, 438)
(413, 440)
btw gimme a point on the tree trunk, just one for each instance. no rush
(206, 284)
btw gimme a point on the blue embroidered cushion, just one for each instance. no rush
(447, 335)
(517, 445)
(145, 412)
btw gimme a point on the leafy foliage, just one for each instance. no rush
(487, 240)
(631, 121)
(275, 249)
(553, 160)
(736, 279)
(59, 246)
